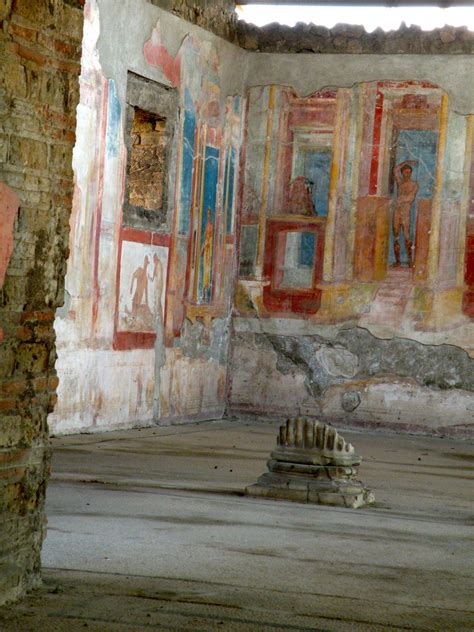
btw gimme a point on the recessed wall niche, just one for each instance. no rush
(150, 124)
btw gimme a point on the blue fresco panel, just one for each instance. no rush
(114, 111)
(211, 173)
(317, 168)
(189, 126)
(229, 188)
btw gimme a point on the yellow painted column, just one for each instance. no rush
(355, 181)
(337, 144)
(433, 253)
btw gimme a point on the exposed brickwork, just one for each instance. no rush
(344, 38)
(217, 16)
(147, 161)
(40, 45)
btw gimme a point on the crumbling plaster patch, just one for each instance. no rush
(356, 353)
(210, 343)
(354, 377)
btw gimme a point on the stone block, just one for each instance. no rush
(3, 147)
(32, 358)
(53, 89)
(28, 153)
(61, 158)
(69, 21)
(35, 11)
(13, 78)
(5, 8)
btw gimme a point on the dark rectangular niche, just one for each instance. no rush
(150, 123)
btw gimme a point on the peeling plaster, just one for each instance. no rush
(437, 367)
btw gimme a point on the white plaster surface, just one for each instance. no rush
(308, 73)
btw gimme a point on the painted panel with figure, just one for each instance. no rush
(141, 288)
(372, 165)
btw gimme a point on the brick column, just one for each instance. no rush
(40, 45)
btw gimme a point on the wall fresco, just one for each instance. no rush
(142, 285)
(364, 170)
(297, 216)
(140, 279)
(355, 216)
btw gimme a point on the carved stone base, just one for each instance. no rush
(324, 490)
(312, 463)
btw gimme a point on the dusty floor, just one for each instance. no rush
(148, 529)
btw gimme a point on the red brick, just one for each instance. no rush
(37, 315)
(67, 66)
(53, 382)
(23, 32)
(24, 333)
(8, 404)
(13, 387)
(31, 55)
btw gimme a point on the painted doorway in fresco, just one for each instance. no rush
(295, 258)
(416, 148)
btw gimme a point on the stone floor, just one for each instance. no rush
(148, 529)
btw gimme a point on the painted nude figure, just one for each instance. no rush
(406, 193)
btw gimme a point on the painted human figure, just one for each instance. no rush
(406, 193)
(206, 254)
(140, 296)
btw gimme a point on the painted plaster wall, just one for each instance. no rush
(248, 125)
(345, 125)
(143, 335)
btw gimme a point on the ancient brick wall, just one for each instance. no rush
(217, 16)
(351, 39)
(40, 43)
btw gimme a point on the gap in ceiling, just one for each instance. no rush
(370, 17)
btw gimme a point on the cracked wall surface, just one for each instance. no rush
(354, 378)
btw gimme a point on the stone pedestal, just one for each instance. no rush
(312, 463)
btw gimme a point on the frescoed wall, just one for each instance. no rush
(143, 336)
(311, 213)
(355, 227)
